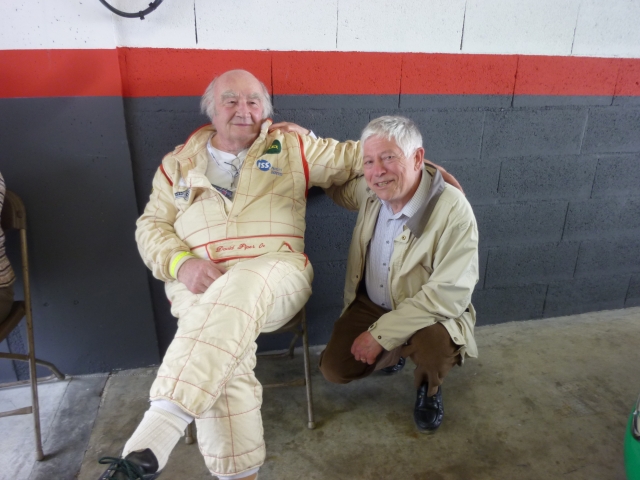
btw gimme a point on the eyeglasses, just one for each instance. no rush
(236, 170)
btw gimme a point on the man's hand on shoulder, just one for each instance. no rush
(198, 274)
(365, 348)
(289, 127)
(447, 177)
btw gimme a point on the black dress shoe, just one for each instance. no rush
(394, 368)
(429, 411)
(142, 465)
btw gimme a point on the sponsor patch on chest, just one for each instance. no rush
(275, 147)
(183, 195)
(263, 165)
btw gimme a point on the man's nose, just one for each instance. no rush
(243, 108)
(378, 168)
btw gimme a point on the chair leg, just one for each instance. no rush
(52, 367)
(188, 436)
(32, 350)
(26, 358)
(292, 344)
(34, 388)
(307, 372)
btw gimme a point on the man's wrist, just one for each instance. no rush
(177, 261)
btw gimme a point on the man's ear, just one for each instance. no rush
(418, 158)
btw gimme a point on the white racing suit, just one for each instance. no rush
(258, 239)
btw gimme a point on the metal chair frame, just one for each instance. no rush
(14, 217)
(298, 327)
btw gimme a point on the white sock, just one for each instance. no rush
(160, 431)
(172, 408)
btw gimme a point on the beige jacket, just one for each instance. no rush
(434, 266)
(186, 215)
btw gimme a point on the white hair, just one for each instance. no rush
(208, 100)
(399, 129)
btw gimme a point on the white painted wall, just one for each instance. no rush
(44, 24)
(531, 26)
(400, 26)
(603, 28)
(608, 29)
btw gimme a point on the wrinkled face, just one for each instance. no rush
(239, 108)
(389, 173)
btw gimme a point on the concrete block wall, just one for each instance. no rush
(559, 223)
(533, 105)
(559, 219)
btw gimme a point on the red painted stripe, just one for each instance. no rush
(162, 72)
(326, 73)
(629, 77)
(538, 75)
(59, 73)
(149, 72)
(447, 74)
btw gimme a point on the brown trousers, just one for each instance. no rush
(430, 348)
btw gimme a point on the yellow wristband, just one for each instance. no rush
(176, 260)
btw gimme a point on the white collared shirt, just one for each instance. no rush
(388, 226)
(223, 169)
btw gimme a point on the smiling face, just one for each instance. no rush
(239, 106)
(393, 176)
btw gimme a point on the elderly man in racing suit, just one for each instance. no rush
(224, 228)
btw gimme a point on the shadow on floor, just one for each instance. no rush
(546, 399)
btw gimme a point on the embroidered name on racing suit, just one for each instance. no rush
(242, 246)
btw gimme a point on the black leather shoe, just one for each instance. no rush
(394, 368)
(429, 411)
(142, 465)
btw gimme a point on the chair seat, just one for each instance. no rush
(13, 319)
(291, 326)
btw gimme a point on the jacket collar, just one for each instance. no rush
(188, 154)
(418, 222)
(197, 141)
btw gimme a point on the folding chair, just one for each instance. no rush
(14, 217)
(298, 327)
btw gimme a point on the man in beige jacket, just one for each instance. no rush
(412, 267)
(224, 229)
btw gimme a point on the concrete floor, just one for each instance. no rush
(546, 399)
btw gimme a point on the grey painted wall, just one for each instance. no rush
(554, 189)
(553, 183)
(68, 160)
